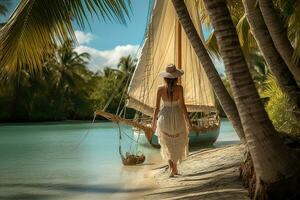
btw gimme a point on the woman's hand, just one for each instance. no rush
(153, 126)
(190, 125)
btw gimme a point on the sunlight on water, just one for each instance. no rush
(44, 161)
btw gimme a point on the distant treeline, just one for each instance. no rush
(64, 89)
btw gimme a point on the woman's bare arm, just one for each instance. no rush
(156, 109)
(183, 106)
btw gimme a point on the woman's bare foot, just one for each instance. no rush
(176, 172)
(172, 174)
(170, 165)
(172, 169)
(175, 169)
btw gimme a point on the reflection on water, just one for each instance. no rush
(44, 161)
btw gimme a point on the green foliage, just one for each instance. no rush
(37, 26)
(279, 108)
(290, 12)
(65, 89)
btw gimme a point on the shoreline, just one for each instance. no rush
(217, 177)
(51, 122)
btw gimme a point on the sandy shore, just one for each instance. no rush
(206, 174)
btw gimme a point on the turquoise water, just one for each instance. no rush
(57, 161)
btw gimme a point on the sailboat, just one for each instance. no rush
(166, 42)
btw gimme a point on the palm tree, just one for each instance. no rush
(34, 29)
(250, 47)
(109, 72)
(279, 36)
(126, 65)
(276, 64)
(223, 96)
(254, 58)
(273, 162)
(66, 65)
(236, 9)
(65, 70)
(21, 91)
(289, 12)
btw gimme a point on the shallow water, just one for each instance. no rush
(62, 161)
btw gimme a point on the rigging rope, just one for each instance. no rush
(86, 134)
(150, 6)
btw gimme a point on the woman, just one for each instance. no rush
(170, 122)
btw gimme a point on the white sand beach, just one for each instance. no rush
(206, 174)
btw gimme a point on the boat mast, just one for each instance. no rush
(179, 48)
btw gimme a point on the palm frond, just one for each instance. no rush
(236, 10)
(294, 32)
(212, 45)
(4, 4)
(37, 26)
(279, 108)
(290, 12)
(247, 41)
(203, 15)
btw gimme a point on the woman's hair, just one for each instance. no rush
(171, 82)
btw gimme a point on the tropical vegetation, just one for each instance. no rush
(279, 108)
(33, 30)
(257, 40)
(273, 161)
(65, 89)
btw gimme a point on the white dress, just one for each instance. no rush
(172, 132)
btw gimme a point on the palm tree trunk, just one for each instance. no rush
(225, 99)
(275, 63)
(273, 162)
(279, 36)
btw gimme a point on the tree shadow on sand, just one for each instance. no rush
(221, 183)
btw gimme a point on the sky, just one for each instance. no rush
(107, 42)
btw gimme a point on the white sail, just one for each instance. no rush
(161, 48)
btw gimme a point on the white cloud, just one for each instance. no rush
(99, 59)
(83, 38)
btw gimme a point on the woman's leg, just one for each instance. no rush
(170, 165)
(172, 172)
(175, 168)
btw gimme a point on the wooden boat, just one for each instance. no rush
(197, 137)
(165, 42)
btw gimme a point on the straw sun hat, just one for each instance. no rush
(171, 72)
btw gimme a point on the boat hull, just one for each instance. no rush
(195, 139)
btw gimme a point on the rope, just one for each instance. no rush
(136, 141)
(144, 35)
(123, 110)
(122, 97)
(120, 138)
(86, 134)
(113, 93)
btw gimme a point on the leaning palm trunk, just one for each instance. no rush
(225, 100)
(279, 36)
(275, 63)
(273, 162)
